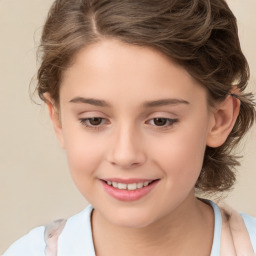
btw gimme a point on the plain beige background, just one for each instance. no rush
(35, 186)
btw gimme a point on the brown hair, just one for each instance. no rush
(200, 35)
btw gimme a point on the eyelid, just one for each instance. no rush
(92, 114)
(83, 122)
(170, 123)
(171, 120)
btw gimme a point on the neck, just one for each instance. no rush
(189, 228)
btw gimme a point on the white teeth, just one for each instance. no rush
(132, 186)
(146, 183)
(122, 185)
(139, 185)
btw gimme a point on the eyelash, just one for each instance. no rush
(170, 122)
(84, 121)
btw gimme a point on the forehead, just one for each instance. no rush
(111, 69)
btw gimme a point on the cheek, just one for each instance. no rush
(181, 157)
(84, 154)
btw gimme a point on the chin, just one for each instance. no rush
(131, 218)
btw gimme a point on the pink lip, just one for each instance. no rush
(128, 195)
(127, 181)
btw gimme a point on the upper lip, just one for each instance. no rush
(128, 181)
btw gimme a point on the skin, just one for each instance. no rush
(129, 143)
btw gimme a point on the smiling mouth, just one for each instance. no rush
(129, 186)
(130, 189)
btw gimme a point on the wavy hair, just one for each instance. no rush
(200, 35)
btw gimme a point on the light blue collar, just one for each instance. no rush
(76, 238)
(217, 229)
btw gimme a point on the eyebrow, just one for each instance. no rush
(164, 102)
(148, 104)
(91, 101)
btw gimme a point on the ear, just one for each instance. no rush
(55, 118)
(223, 121)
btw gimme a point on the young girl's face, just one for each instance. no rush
(132, 118)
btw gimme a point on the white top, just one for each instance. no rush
(76, 237)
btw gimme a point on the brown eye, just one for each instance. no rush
(95, 121)
(160, 121)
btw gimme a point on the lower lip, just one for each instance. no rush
(128, 195)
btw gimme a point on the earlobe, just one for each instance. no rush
(55, 118)
(223, 121)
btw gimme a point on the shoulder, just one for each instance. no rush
(231, 224)
(68, 244)
(250, 223)
(31, 244)
(82, 242)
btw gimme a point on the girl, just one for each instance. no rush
(147, 99)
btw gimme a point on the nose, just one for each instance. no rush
(127, 150)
